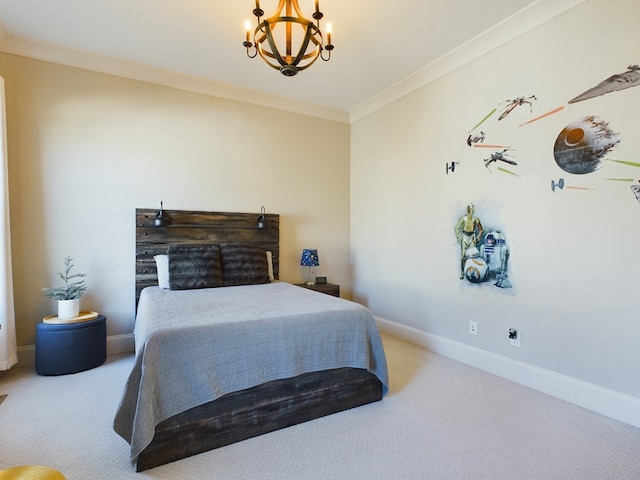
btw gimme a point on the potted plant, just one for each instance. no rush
(68, 296)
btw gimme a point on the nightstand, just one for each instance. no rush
(328, 288)
(71, 347)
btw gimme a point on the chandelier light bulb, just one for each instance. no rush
(247, 28)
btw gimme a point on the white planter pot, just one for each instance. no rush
(68, 308)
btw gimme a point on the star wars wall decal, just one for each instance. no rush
(506, 108)
(619, 81)
(636, 191)
(560, 185)
(451, 167)
(502, 153)
(579, 149)
(483, 258)
(501, 156)
(512, 104)
(581, 145)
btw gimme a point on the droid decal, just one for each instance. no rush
(483, 258)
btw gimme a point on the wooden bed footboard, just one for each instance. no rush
(258, 410)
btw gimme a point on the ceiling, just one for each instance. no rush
(378, 44)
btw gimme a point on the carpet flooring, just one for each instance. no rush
(440, 420)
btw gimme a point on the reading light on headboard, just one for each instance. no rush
(262, 219)
(161, 219)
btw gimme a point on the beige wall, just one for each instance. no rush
(574, 261)
(86, 149)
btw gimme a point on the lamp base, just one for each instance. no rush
(310, 281)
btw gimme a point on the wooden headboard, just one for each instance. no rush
(186, 227)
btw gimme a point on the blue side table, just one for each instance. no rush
(70, 347)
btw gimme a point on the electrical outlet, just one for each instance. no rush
(473, 327)
(514, 337)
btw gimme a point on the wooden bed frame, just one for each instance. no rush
(254, 411)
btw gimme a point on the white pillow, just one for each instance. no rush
(162, 266)
(270, 265)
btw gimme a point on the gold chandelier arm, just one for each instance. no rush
(296, 7)
(309, 36)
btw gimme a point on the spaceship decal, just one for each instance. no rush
(502, 156)
(636, 191)
(473, 139)
(451, 166)
(560, 184)
(581, 145)
(620, 81)
(516, 102)
(508, 107)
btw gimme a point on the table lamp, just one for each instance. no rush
(309, 259)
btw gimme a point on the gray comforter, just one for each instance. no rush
(194, 346)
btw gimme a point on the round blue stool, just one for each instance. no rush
(71, 347)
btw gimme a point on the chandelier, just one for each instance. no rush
(275, 36)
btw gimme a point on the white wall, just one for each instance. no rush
(86, 149)
(574, 263)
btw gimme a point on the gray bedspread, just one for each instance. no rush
(194, 346)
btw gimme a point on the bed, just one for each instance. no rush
(217, 363)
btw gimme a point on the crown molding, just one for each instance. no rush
(512, 27)
(88, 61)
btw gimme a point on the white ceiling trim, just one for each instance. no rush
(521, 22)
(75, 58)
(512, 27)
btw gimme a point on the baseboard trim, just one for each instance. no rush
(116, 344)
(610, 403)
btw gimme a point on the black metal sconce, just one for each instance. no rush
(262, 218)
(161, 220)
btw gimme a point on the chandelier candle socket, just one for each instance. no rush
(275, 36)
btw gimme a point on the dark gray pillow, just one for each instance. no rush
(194, 266)
(244, 264)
